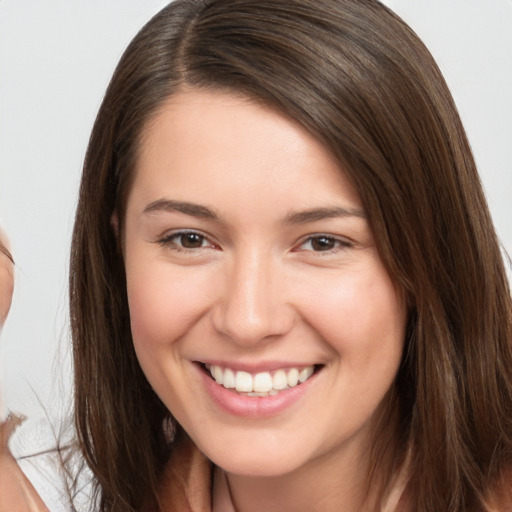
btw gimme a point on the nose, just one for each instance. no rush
(252, 306)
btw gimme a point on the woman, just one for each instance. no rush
(286, 290)
(340, 89)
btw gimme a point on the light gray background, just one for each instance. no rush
(56, 58)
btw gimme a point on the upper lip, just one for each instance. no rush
(256, 367)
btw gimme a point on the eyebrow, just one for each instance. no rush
(301, 217)
(192, 209)
(317, 214)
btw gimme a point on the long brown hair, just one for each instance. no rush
(359, 80)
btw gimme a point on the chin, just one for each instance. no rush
(255, 460)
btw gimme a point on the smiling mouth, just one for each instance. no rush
(260, 384)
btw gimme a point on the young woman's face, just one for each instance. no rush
(248, 255)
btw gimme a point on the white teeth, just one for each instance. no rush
(243, 382)
(279, 380)
(229, 379)
(218, 374)
(293, 377)
(305, 373)
(260, 384)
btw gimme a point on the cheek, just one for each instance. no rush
(165, 303)
(360, 316)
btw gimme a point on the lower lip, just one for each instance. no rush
(250, 406)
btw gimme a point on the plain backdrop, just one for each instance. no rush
(56, 58)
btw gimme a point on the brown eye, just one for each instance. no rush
(185, 241)
(190, 240)
(323, 243)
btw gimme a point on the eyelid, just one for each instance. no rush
(342, 243)
(166, 239)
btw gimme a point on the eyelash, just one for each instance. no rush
(169, 241)
(337, 243)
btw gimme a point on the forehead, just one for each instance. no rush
(198, 117)
(198, 137)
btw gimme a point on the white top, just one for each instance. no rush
(34, 446)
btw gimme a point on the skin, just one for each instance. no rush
(17, 492)
(260, 286)
(6, 281)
